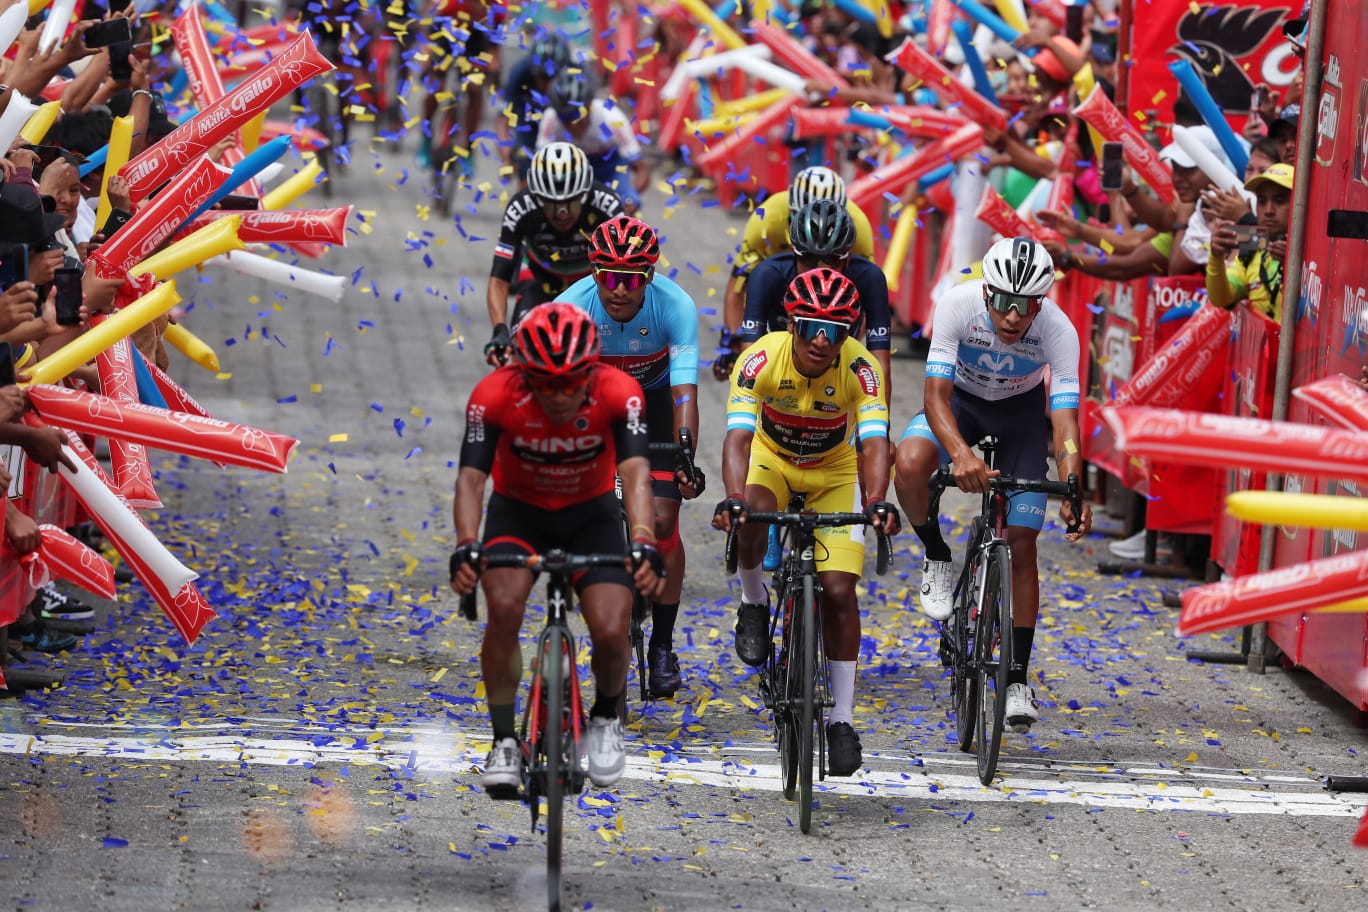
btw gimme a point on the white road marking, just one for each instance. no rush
(937, 778)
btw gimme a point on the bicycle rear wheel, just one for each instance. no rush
(807, 717)
(993, 651)
(556, 770)
(964, 689)
(446, 166)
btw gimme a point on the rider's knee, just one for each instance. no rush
(915, 460)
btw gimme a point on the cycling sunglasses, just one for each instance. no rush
(566, 385)
(569, 207)
(627, 280)
(809, 329)
(1003, 303)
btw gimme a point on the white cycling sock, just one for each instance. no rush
(752, 584)
(842, 692)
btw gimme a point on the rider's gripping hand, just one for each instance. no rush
(726, 511)
(691, 487)
(972, 473)
(648, 568)
(728, 347)
(1084, 522)
(496, 349)
(884, 516)
(465, 566)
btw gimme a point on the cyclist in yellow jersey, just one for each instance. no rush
(800, 399)
(767, 233)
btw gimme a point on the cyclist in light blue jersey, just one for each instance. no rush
(648, 327)
(991, 344)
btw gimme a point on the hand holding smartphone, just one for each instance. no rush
(109, 32)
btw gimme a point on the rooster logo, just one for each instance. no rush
(1215, 37)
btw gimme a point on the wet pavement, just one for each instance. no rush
(317, 747)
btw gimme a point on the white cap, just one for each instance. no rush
(1174, 155)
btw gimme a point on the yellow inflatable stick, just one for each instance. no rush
(1083, 81)
(120, 143)
(897, 245)
(96, 339)
(721, 32)
(1011, 13)
(219, 236)
(1307, 511)
(294, 188)
(190, 345)
(39, 122)
(251, 133)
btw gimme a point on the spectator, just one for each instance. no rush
(1253, 268)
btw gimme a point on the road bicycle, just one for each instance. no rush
(976, 640)
(553, 721)
(683, 450)
(795, 681)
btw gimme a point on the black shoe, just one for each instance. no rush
(663, 677)
(43, 638)
(52, 602)
(752, 634)
(844, 755)
(19, 680)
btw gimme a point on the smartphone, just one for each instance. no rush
(109, 32)
(6, 365)
(1249, 240)
(120, 68)
(69, 296)
(14, 263)
(1113, 166)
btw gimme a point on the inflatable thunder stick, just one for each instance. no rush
(921, 65)
(721, 32)
(175, 432)
(998, 214)
(192, 346)
(70, 559)
(1338, 399)
(1224, 441)
(128, 459)
(120, 143)
(158, 220)
(39, 122)
(1307, 511)
(1264, 596)
(895, 175)
(216, 238)
(299, 63)
(1098, 110)
(792, 54)
(177, 399)
(286, 226)
(293, 187)
(1211, 166)
(1167, 377)
(89, 344)
(315, 283)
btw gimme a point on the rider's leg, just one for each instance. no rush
(506, 590)
(751, 543)
(917, 458)
(607, 610)
(841, 636)
(665, 609)
(1025, 599)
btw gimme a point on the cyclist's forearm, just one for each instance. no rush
(496, 301)
(468, 505)
(736, 461)
(685, 396)
(637, 498)
(874, 463)
(1067, 445)
(734, 303)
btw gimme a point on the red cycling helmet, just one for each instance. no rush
(624, 242)
(823, 294)
(555, 340)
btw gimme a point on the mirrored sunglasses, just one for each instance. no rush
(613, 279)
(1003, 302)
(809, 329)
(569, 207)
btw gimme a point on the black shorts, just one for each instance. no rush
(660, 429)
(592, 527)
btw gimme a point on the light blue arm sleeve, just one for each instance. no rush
(680, 317)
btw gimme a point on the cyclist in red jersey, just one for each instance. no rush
(554, 429)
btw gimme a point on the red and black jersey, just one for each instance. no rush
(553, 466)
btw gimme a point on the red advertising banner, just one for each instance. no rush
(1233, 47)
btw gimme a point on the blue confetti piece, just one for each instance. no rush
(114, 842)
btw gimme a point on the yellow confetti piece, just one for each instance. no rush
(337, 438)
(441, 673)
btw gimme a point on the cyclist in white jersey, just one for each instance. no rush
(602, 130)
(991, 344)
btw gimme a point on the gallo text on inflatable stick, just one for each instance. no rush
(66, 556)
(192, 346)
(158, 220)
(1308, 511)
(1264, 596)
(297, 65)
(87, 345)
(1098, 111)
(287, 226)
(120, 142)
(203, 79)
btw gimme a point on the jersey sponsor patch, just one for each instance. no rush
(751, 367)
(867, 375)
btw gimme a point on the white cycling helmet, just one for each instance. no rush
(813, 184)
(560, 171)
(1019, 266)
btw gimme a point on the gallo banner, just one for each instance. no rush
(1232, 46)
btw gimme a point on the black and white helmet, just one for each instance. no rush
(1019, 266)
(813, 184)
(560, 171)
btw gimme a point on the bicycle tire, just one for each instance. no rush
(641, 610)
(993, 648)
(807, 716)
(783, 689)
(963, 679)
(555, 762)
(446, 169)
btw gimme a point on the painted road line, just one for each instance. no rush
(461, 754)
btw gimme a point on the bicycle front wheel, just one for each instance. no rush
(807, 716)
(784, 687)
(964, 689)
(993, 653)
(555, 763)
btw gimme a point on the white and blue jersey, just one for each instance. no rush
(966, 349)
(659, 346)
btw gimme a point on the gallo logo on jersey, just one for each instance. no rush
(867, 375)
(750, 369)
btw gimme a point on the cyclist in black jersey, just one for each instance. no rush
(550, 223)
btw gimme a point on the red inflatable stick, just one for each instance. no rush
(285, 226)
(299, 63)
(791, 53)
(897, 174)
(1361, 837)
(923, 66)
(998, 214)
(67, 557)
(304, 138)
(176, 432)
(1168, 377)
(1337, 399)
(1052, 10)
(725, 150)
(1264, 596)
(914, 120)
(1061, 198)
(1224, 441)
(674, 115)
(920, 120)
(1098, 111)
(158, 220)
(132, 468)
(187, 32)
